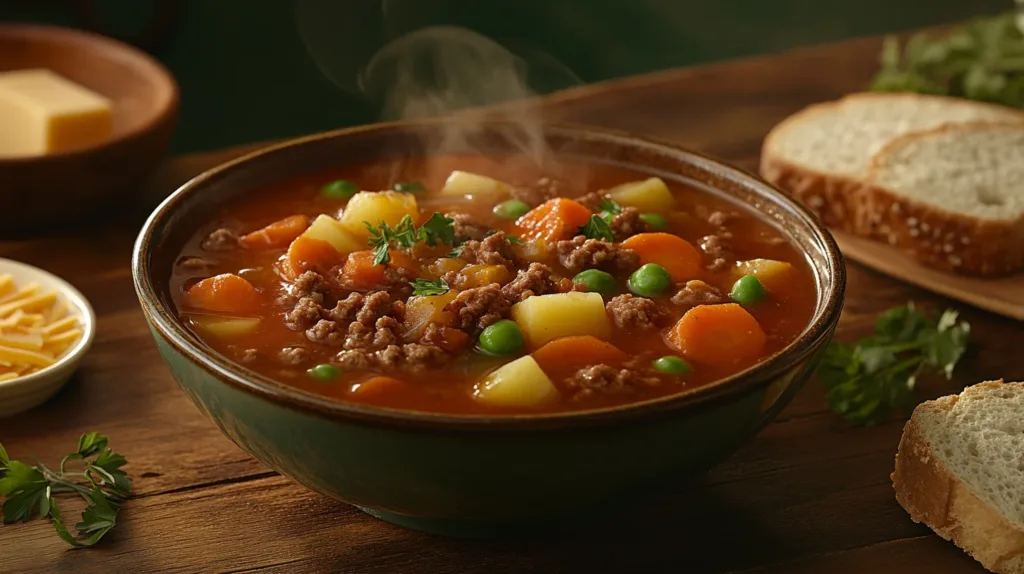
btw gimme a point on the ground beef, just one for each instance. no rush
(493, 250)
(697, 292)
(566, 285)
(721, 218)
(356, 322)
(580, 253)
(397, 280)
(304, 315)
(466, 227)
(592, 201)
(309, 285)
(634, 313)
(220, 240)
(717, 251)
(539, 191)
(478, 307)
(293, 356)
(534, 280)
(366, 309)
(327, 332)
(244, 355)
(605, 379)
(437, 335)
(627, 223)
(410, 356)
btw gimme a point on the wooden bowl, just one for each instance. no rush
(43, 191)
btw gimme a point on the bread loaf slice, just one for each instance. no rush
(821, 154)
(953, 197)
(960, 471)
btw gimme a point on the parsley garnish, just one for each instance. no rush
(982, 60)
(438, 229)
(597, 228)
(455, 253)
(609, 205)
(425, 287)
(871, 378)
(29, 491)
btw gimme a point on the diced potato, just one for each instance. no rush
(521, 383)
(534, 251)
(226, 327)
(546, 317)
(481, 274)
(326, 228)
(774, 275)
(423, 310)
(466, 184)
(374, 207)
(443, 265)
(648, 195)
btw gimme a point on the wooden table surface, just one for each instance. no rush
(809, 494)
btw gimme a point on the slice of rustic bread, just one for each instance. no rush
(953, 196)
(960, 471)
(821, 154)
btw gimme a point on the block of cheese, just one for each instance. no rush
(42, 112)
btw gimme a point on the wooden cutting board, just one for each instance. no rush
(1004, 295)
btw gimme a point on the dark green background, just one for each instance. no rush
(245, 73)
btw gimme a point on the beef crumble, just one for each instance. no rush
(293, 356)
(309, 285)
(697, 292)
(534, 280)
(492, 250)
(634, 313)
(409, 356)
(627, 223)
(222, 239)
(466, 227)
(592, 200)
(538, 192)
(716, 249)
(581, 253)
(606, 379)
(478, 308)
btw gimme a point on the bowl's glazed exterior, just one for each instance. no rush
(476, 475)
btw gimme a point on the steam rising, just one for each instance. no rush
(439, 70)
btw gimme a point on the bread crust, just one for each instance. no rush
(932, 495)
(934, 236)
(937, 238)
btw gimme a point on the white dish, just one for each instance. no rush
(30, 391)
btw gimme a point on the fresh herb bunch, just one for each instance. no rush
(29, 491)
(875, 376)
(983, 60)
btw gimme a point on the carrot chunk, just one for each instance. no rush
(675, 254)
(555, 219)
(377, 389)
(718, 335)
(277, 234)
(226, 293)
(564, 356)
(306, 254)
(361, 274)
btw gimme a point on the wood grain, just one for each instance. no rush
(809, 494)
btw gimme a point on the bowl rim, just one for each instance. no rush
(164, 321)
(170, 93)
(86, 314)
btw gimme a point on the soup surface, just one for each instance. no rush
(477, 286)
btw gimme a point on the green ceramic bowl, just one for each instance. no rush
(477, 475)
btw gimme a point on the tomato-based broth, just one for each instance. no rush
(486, 286)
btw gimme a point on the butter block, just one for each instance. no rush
(42, 112)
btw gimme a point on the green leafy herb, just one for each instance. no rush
(438, 229)
(383, 236)
(29, 491)
(875, 376)
(597, 228)
(513, 239)
(455, 253)
(425, 287)
(609, 205)
(981, 60)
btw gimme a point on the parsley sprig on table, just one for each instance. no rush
(29, 491)
(982, 60)
(875, 376)
(438, 229)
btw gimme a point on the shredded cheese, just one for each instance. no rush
(36, 328)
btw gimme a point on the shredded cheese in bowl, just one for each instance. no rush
(37, 328)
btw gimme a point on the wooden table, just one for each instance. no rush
(809, 494)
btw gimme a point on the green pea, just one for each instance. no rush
(654, 221)
(747, 291)
(324, 372)
(339, 189)
(408, 186)
(650, 280)
(671, 365)
(501, 338)
(597, 281)
(511, 209)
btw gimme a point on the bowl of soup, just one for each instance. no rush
(491, 336)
